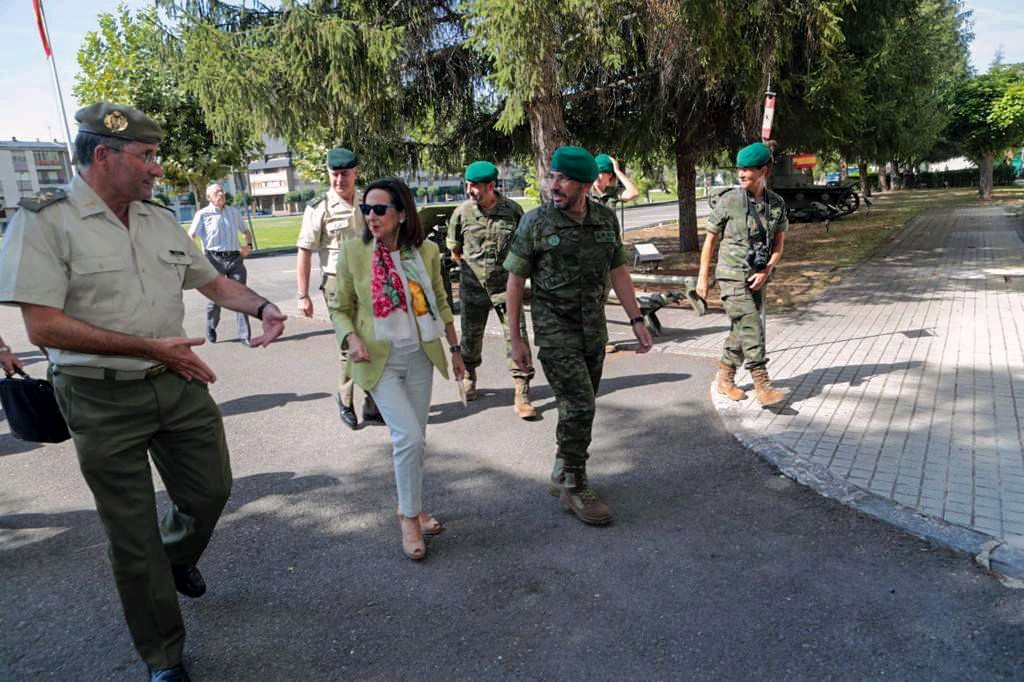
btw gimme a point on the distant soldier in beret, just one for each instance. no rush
(751, 223)
(329, 220)
(570, 249)
(479, 235)
(98, 271)
(612, 184)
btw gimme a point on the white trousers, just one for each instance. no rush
(403, 396)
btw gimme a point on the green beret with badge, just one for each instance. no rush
(481, 171)
(340, 158)
(574, 162)
(754, 156)
(604, 163)
(120, 121)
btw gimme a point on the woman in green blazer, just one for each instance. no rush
(391, 312)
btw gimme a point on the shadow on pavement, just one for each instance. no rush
(265, 401)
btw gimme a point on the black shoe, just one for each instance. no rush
(347, 414)
(189, 582)
(175, 673)
(375, 417)
(211, 335)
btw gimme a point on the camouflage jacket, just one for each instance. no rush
(731, 220)
(484, 240)
(568, 265)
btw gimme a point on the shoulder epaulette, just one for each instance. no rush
(157, 203)
(41, 200)
(312, 203)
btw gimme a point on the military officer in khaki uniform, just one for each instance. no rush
(751, 223)
(330, 219)
(571, 250)
(98, 271)
(479, 234)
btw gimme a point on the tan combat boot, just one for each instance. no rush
(524, 410)
(469, 384)
(763, 391)
(727, 383)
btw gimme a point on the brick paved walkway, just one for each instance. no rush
(907, 379)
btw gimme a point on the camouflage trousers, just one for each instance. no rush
(574, 377)
(475, 307)
(745, 345)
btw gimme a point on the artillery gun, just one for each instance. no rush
(806, 201)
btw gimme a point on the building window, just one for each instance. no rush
(48, 158)
(19, 161)
(24, 181)
(51, 177)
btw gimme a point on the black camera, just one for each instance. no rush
(757, 256)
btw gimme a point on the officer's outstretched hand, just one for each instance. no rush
(643, 335)
(176, 353)
(273, 326)
(521, 355)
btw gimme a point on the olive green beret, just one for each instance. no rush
(604, 163)
(754, 156)
(117, 120)
(575, 162)
(340, 158)
(481, 171)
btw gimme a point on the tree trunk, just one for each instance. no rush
(985, 181)
(547, 125)
(686, 182)
(865, 184)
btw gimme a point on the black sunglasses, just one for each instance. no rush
(379, 209)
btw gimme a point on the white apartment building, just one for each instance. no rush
(28, 167)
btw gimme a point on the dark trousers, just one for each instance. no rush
(574, 377)
(229, 264)
(476, 306)
(114, 425)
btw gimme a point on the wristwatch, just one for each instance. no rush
(302, 296)
(457, 348)
(636, 320)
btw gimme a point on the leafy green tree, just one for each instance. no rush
(243, 199)
(126, 60)
(987, 117)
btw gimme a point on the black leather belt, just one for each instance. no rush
(226, 254)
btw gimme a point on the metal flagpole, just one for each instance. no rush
(44, 34)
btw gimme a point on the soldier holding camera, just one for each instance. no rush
(751, 224)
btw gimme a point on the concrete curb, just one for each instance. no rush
(991, 553)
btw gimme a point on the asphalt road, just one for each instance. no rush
(645, 216)
(715, 566)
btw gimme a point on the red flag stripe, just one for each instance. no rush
(37, 6)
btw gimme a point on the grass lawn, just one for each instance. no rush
(814, 258)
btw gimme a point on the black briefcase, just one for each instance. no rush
(31, 410)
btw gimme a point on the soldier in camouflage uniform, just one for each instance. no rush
(330, 219)
(612, 184)
(570, 249)
(479, 235)
(743, 218)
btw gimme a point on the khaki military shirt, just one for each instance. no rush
(610, 196)
(75, 255)
(731, 220)
(484, 240)
(327, 222)
(568, 265)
